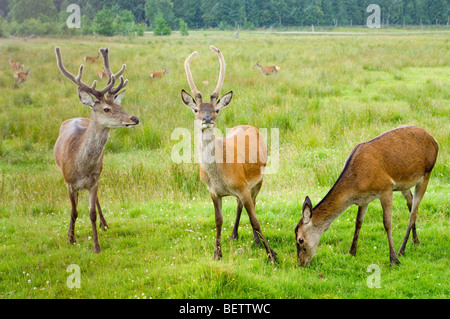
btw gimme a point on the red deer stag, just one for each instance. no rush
(396, 160)
(158, 75)
(79, 148)
(232, 166)
(267, 70)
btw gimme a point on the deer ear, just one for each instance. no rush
(118, 97)
(224, 100)
(188, 99)
(86, 98)
(307, 210)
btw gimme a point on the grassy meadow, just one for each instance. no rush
(332, 92)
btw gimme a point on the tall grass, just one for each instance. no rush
(332, 92)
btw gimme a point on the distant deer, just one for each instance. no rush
(267, 70)
(21, 77)
(91, 59)
(158, 75)
(16, 66)
(396, 160)
(79, 149)
(242, 174)
(102, 74)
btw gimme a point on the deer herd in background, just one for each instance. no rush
(396, 160)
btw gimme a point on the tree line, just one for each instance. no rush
(19, 17)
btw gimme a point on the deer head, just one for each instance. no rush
(206, 112)
(307, 235)
(105, 103)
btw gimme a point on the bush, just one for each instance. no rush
(183, 27)
(161, 27)
(140, 29)
(104, 22)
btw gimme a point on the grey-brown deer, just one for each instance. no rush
(230, 166)
(21, 77)
(396, 160)
(79, 149)
(268, 69)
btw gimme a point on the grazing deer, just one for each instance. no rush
(396, 160)
(102, 74)
(21, 77)
(16, 66)
(158, 75)
(267, 70)
(232, 166)
(79, 148)
(91, 58)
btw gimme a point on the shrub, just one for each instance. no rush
(161, 27)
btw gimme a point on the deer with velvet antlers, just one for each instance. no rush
(230, 166)
(396, 160)
(79, 149)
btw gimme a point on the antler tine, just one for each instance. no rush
(215, 94)
(77, 80)
(119, 87)
(112, 77)
(197, 94)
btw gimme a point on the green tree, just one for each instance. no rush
(161, 27)
(105, 22)
(22, 10)
(183, 27)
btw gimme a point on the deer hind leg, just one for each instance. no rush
(73, 196)
(250, 208)
(93, 217)
(419, 191)
(359, 220)
(219, 220)
(386, 204)
(409, 199)
(234, 233)
(254, 193)
(103, 224)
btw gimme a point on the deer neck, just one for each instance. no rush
(91, 152)
(206, 147)
(331, 206)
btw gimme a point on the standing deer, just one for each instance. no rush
(79, 148)
(102, 74)
(21, 77)
(158, 75)
(396, 160)
(267, 70)
(91, 58)
(16, 66)
(232, 166)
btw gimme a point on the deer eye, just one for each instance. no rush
(195, 110)
(106, 110)
(217, 111)
(301, 240)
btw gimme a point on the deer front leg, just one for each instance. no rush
(73, 196)
(219, 220)
(93, 217)
(359, 220)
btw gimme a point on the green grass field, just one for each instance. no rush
(333, 91)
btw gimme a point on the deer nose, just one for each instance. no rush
(207, 119)
(135, 119)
